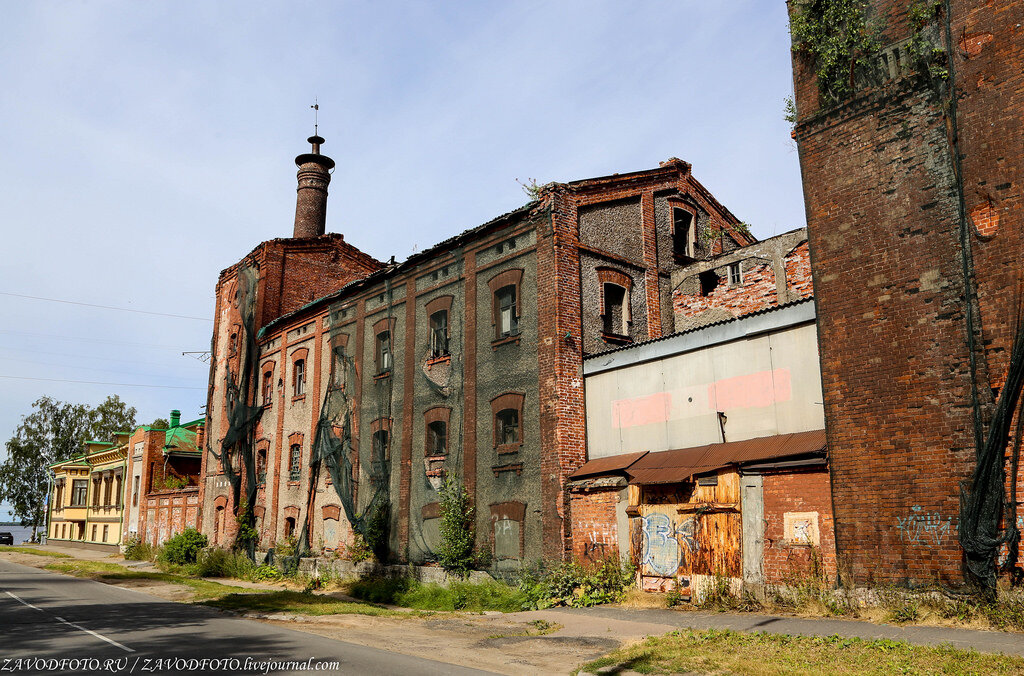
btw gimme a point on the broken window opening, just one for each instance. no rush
(507, 425)
(261, 466)
(289, 527)
(682, 234)
(615, 318)
(508, 319)
(439, 334)
(708, 282)
(437, 438)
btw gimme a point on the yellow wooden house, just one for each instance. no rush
(87, 499)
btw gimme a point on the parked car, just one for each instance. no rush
(6, 538)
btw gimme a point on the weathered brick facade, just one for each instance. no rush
(550, 254)
(914, 211)
(798, 496)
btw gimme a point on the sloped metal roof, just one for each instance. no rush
(680, 465)
(607, 465)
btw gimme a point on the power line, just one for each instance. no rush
(78, 338)
(94, 382)
(106, 307)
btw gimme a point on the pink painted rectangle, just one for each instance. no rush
(756, 390)
(653, 408)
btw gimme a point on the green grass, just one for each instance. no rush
(760, 654)
(113, 573)
(298, 602)
(30, 550)
(466, 596)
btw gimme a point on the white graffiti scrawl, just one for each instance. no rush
(924, 526)
(662, 552)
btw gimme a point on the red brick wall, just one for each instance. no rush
(800, 491)
(884, 202)
(594, 524)
(758, 290)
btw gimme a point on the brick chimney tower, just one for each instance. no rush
(311, 204)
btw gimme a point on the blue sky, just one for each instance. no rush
(149, 145)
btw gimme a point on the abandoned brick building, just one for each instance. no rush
(912, 184)
(162, 490)
(342, 388)
(706, 447)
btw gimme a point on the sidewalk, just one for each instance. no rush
(77, 553)
(643, 622)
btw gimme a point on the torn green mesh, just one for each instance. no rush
(242, 418)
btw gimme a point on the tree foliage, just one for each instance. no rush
(455, 551)
(54, 431)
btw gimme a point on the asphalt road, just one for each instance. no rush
(46, 617)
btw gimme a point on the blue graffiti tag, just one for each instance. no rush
(920, 525)
(661, 547)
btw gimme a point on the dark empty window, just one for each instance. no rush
(708, 282)
(439, 334)
(289, 527)
(135, 492)
(437, 438)
(379, 457)
(261, 466)
(682, 224)
(295, 465)
(507, 316)
(507, 426)
(615, 310)
(300, 377)
(384, 355)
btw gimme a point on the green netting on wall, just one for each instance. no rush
(237, 445)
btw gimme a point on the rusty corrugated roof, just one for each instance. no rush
(612, 463)
(667, 467)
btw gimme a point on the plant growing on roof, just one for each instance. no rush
(838, 42)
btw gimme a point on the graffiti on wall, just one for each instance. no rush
(599, 540)
(663, 542)
(921, 527)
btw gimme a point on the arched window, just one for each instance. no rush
(507, 411)
(507, 303)
(436, 432)
(438, 310)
